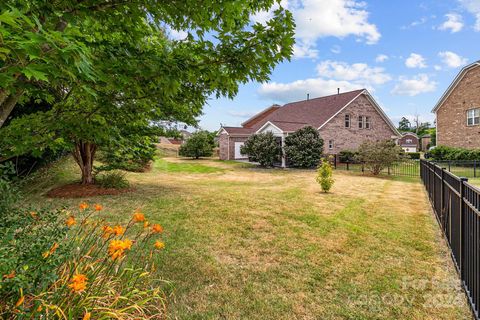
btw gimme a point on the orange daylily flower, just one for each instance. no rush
(20, 301)
(70, 221)
(10, 275)
(33, 214)
(159, 245)
(116, 248)
(87, 316)
(107, 231)
(156, 228)
(118, 230)
(146, 224)
(98, 207)
(83, 206)
(78, 283)
(53, 248)
(138, 217)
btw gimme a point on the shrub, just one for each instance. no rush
(440, 153)
(70, 265)
(347, 156)
(324, 175)
(304, 148)
(132, 154)
(413, 155)
(112, 179)
(379, 155)
(200, 144)
(262, 148)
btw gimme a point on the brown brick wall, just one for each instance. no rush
(452, 129)
(227, 146)
(351, 138)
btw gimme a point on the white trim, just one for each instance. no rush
(266, 124)
(221, 131)
(454, 84)
(362, 92)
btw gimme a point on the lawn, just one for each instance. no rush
(250, 243)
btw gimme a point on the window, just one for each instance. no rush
(360, 122)
(330, 144)
(473, 117)
(347, 121)
(409, 141)
(367, 123)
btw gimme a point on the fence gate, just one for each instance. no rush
(456, 204)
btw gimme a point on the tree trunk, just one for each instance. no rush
(7, 104)
(84, 155)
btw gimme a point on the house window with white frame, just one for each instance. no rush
(330, 144)
(368, 124)
(347, 121)
(473, 117)
(360, 122)
(409, 141)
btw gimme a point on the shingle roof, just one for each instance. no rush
(314, 112)
(238, 130)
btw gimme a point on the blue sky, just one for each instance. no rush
(405, 52)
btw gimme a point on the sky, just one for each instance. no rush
(405, 52)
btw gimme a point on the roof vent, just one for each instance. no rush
(338, 90)
(308, 96)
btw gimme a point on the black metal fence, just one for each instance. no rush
(456, 204)
(462, 168)
(409, 168)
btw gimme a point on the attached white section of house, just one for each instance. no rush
(277, 132)
(238, 152)
(409, 149)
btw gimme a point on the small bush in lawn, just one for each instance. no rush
(262, 148)
(133, 154)
(112, 179)
(68, 265)
(379, 155)
(304, 148)
(200, 144)
(324, 175)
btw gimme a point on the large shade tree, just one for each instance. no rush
(108, 65)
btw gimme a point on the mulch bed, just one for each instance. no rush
(76, 190)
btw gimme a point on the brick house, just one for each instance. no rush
(458, 110)
(344, 121)
(409, 142)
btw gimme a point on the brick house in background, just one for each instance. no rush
(409, 142)
(344, 121)
(458, 110)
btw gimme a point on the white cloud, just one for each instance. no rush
(415, 61)
(414, 86)
(437, 67)
(297, 90)
(381, 58)
(423, 20)
(454, 23)
(359, 72)
(317, 19)
(452, 60)
(473, 6)
(331, 75)
(336, 49)
(175, 34)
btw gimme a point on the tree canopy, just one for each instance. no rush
(109, 68)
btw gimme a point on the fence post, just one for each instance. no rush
(449, 166)
(347, 164)
(335, 162)
(462, 226)
(388, 170)
(474, 168)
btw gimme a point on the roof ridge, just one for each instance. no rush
(331, 95)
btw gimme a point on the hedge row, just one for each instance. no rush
(450, 153)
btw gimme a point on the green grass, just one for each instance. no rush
(245, 243)
(184, 167)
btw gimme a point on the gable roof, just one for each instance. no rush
(313, 112)
(409, 134)
(260, 116)
(455, 82)
(236, 131)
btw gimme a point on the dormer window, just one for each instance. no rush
(473, 117)
(409, 141)
(347, 121)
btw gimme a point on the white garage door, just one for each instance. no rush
(238, 154)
